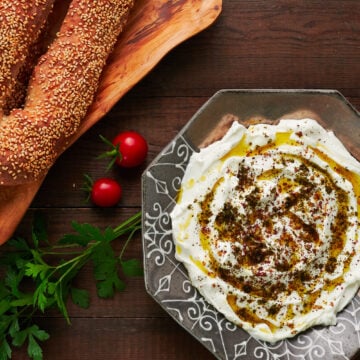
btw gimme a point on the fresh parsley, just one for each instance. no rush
(38, 276)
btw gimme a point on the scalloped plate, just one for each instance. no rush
(166, 279)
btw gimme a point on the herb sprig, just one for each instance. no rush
(39, 276)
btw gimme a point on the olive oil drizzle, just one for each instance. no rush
(231, 227)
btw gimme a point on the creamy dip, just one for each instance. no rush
(267, 225)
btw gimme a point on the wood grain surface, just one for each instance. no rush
(252, 44)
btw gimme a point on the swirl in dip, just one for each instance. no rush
(267, 226)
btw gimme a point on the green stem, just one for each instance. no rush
(76, 259)
(58, 253)
(131, 223)
(128, 240)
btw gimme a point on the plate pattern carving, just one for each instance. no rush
(167, 282)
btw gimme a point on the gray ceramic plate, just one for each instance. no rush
(166, 279)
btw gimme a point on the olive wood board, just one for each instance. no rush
(154, 28)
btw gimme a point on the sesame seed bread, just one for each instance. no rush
(61, 90)
(21, 25)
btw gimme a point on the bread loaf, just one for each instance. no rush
(61, 90)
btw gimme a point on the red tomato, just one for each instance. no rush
(133, 148)
(106, 192)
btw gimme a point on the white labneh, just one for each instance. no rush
(267, 225)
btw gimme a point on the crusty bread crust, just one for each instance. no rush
(61, 90)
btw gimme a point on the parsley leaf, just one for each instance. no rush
(5, 350)
(106, 288)
(34, 349)
(80, 297)
(106, 271)
(48, 286)
(30, 334)
(86, 233)
(36, 270)
(132, 267)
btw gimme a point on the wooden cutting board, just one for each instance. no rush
(154, 28)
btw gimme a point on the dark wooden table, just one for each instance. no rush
(311, 44)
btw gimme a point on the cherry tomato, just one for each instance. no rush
(106, 192)
(132, 148)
